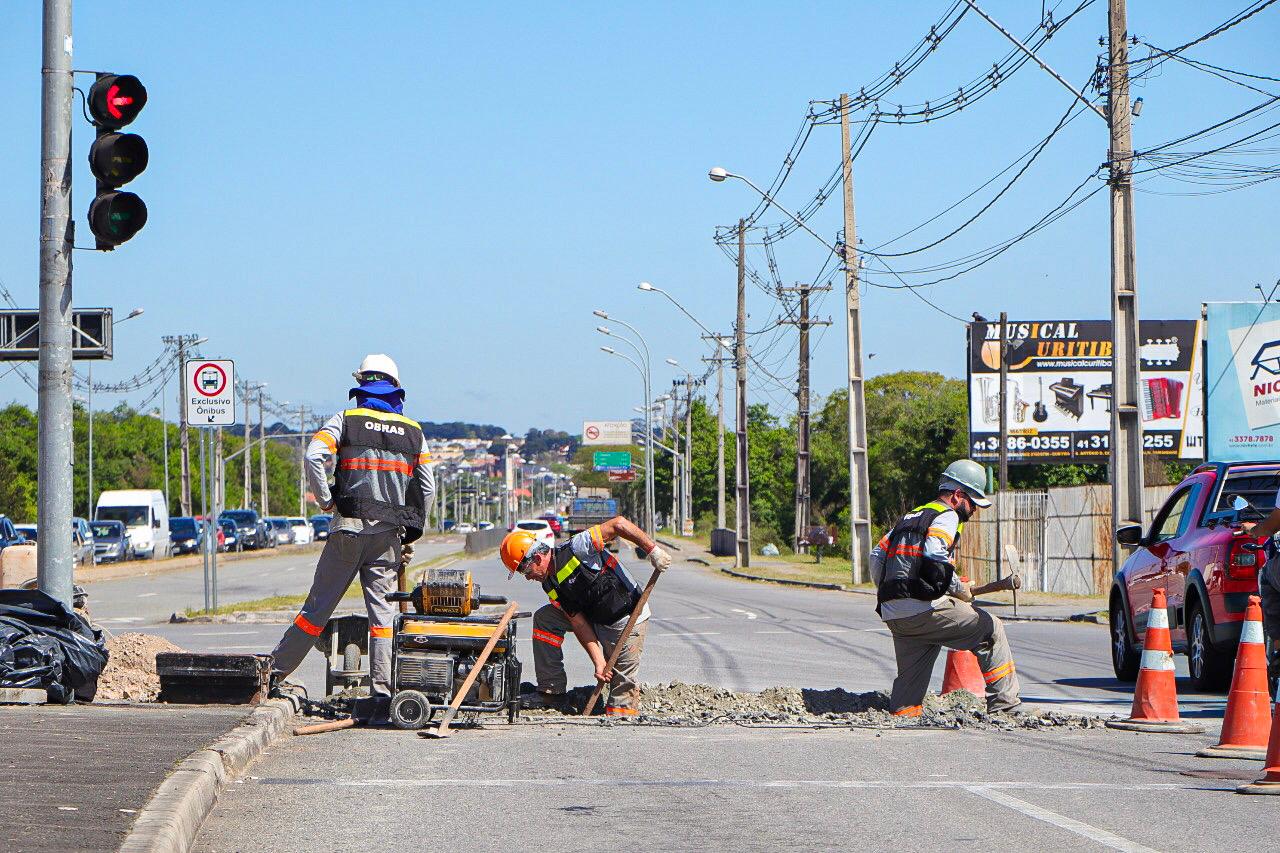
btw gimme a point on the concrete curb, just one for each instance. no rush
(172, 817)
(835, 587)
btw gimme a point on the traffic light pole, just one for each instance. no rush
(54, 558)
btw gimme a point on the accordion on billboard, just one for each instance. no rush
(1161, 398)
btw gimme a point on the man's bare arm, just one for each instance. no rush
(1269, 526)
(591, 643)
(620, 527)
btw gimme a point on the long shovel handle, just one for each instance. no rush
(443, 730)
(622, 640)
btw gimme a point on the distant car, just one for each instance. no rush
(9, 534)
(321, 525)
(302, 534)
(465, 527)
(82, 541)
(111, 543)
(249, 532)
(554, 521)
(449, 524)
(228, 535)
(281, 530)
(28, 531)
(486, 525)
(539, 528)
(184, 533)
(145, 512)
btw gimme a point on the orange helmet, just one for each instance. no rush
(515, 545)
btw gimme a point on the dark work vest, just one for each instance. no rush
(907, 574)
(602, 597)
(374, 475)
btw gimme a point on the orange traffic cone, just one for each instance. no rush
(963, 673)
(1248, 718)
(1155, 697)
(1270, 781)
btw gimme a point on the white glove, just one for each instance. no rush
(659, 559)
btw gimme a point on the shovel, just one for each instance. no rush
(443, 729)
(622, 640)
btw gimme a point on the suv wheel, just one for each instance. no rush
(1124, 655)
(1210, 669)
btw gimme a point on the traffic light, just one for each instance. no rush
(116, 159)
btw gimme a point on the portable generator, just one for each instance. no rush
(436, 647)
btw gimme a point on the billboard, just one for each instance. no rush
(606, 432)
(1242, 371)
(1059, 394)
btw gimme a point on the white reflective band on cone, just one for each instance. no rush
(1157, 660)
(1157, 618)
(1251, 633)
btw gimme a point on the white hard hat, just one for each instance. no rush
(968, 475)
(379, 363)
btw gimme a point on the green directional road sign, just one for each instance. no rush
(611, 460)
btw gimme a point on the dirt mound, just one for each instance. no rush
(677, 702)
(130, 674)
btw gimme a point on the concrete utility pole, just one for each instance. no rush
(181, 342)
(719, 358)
(677, 488)
(803, 496)
(248, 457)
(686, 480)
(220, 479)
(302, 461)
(1126, 416)
(54, 557)
(164, 434)
(859, 472)
(1004, 442)
(743, 495)
(262, 452)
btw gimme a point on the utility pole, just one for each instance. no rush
(219, 482)
(54, 558)
(719, 358)
(802, 413)
(859, 473)
(1004, 442)
(677, 504)
(248, 457)
(1126, 416)
(743, 494)
(164, 434)
(184, 437)
(686, 480)
(302, 461)
(262, 452)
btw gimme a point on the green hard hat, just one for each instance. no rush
(968, 475)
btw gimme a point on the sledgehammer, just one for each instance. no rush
(622, 640)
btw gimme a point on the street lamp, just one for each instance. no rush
(649, 488)
(136, 312)
(648, 444)
(649, 288)
(719, 173)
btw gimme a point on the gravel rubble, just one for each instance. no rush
(130, 674)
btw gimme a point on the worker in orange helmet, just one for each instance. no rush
(591, 594)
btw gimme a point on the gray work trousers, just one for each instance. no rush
(954, 624)
(376, 557)
(549, 627)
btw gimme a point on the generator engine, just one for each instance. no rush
(435, 648)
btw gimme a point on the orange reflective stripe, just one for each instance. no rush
(382, 632)
(883, 544)
(909, 711)
(305, 626)
(597, 538)
(941, 534)
(906, 550)
(998, 673)
(615, 710)
(376, 465)
(424, 458)
(326, 439)
(548, 637)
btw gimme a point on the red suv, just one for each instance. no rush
(1195, 551)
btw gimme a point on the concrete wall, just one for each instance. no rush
(484, 540)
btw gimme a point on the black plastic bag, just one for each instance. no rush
(45, 644)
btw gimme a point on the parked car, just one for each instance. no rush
(82, 541)
(554, 521)
(1195, 551)
(249, 532)
(28, 531)
(9, 534)
(267, 535)
(465, 527)
(302, 534)
(282, 530)
(321, 524)
(185, 534)
(111, 542)
(485, 525)
(228, 535)
(539, 528)
(144, 512)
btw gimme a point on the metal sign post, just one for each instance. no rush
(209, 402)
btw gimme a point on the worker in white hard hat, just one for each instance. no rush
(925, 603)
(383, 489)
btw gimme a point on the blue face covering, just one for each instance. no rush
(380, 395)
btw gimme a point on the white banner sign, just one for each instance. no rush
(606, 432)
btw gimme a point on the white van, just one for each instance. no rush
(144, 513)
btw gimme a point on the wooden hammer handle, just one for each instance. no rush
(622, 640)
(475, 670)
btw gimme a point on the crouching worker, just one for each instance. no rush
(926, 605)
(592, 595)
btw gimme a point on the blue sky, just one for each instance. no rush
(460, 187)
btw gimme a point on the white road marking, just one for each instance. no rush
(771, 632)
(876, 630)
(976, 787)
(688, 618)
(237, 648)
(746, 613)
(147, 594)
(1093, 833)
(832, 630)
(222, 633)
(291, 568)
(690, 633)
(123, 619)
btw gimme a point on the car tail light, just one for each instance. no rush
(1242, 563)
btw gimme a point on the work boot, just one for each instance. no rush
(541, 701)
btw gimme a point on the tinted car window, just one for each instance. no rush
(242, 517)
(132, 516)
(1170, 521)
(182, 526)
(279, 524)
(532, 525)
(1257, 488)
(106, 531)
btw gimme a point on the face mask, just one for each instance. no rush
(964, 509)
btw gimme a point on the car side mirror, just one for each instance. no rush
(1238, 503)
(1129, 534)
(155, 523)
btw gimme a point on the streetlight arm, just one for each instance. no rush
(640, 337)
(771, 200)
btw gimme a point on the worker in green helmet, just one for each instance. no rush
(925, 603)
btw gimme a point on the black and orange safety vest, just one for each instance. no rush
(602, 596)
(907, 574)
(373, 480)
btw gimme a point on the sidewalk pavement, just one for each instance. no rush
(76, 777)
